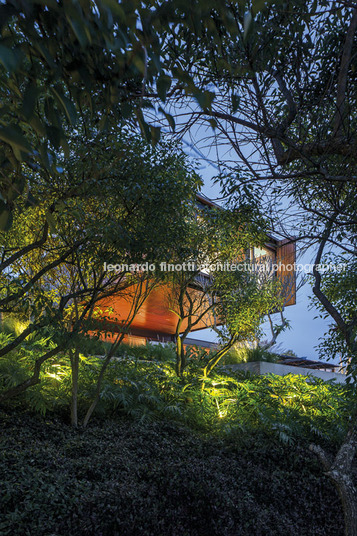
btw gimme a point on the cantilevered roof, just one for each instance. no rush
(305, 362)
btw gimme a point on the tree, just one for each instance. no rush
(283, 99)
(275, 80)
(65, 63)
(215, 286)
(109, 213)
(61, 62)
(281, 77)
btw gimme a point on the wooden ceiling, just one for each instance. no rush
(154, 315)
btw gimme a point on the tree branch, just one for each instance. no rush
(343, 74)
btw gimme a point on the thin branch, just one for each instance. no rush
(343, 74)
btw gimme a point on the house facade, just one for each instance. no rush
(155, 322)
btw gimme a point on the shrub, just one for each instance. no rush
(244, 354)
(13, 324)
(148, 352)
(287, 407)
(122, 478)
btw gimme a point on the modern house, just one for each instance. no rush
(155, 322)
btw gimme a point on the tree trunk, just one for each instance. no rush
(179, 348)
(97, 391)
(218, 356)
(339, 471)
(348, 495)
(33, 380)
(74, 400)
(183, 357)
(100, 380)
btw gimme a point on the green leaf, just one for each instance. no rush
(31, 95)
(37, 125)
(247, 24)
(78, 30)
(54, 135)
(53, 116)
(235, 102)
(169, 118)
(163, 84)
(144, 127)
(155, 135)
(257, 6)
(45, 156)
(45, 54)
(8, 58)
(65, 146)
(67, 105)
(14, 137)
(156, 61)
(204, 98)
(5, 217)
(139, 64)
(115, 8)
(51, 221)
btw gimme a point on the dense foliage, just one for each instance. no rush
(228, 453)
(124, 478)
(102, 208)
(141, 382)
(245, 354)
(340, 289)
(274, 82)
